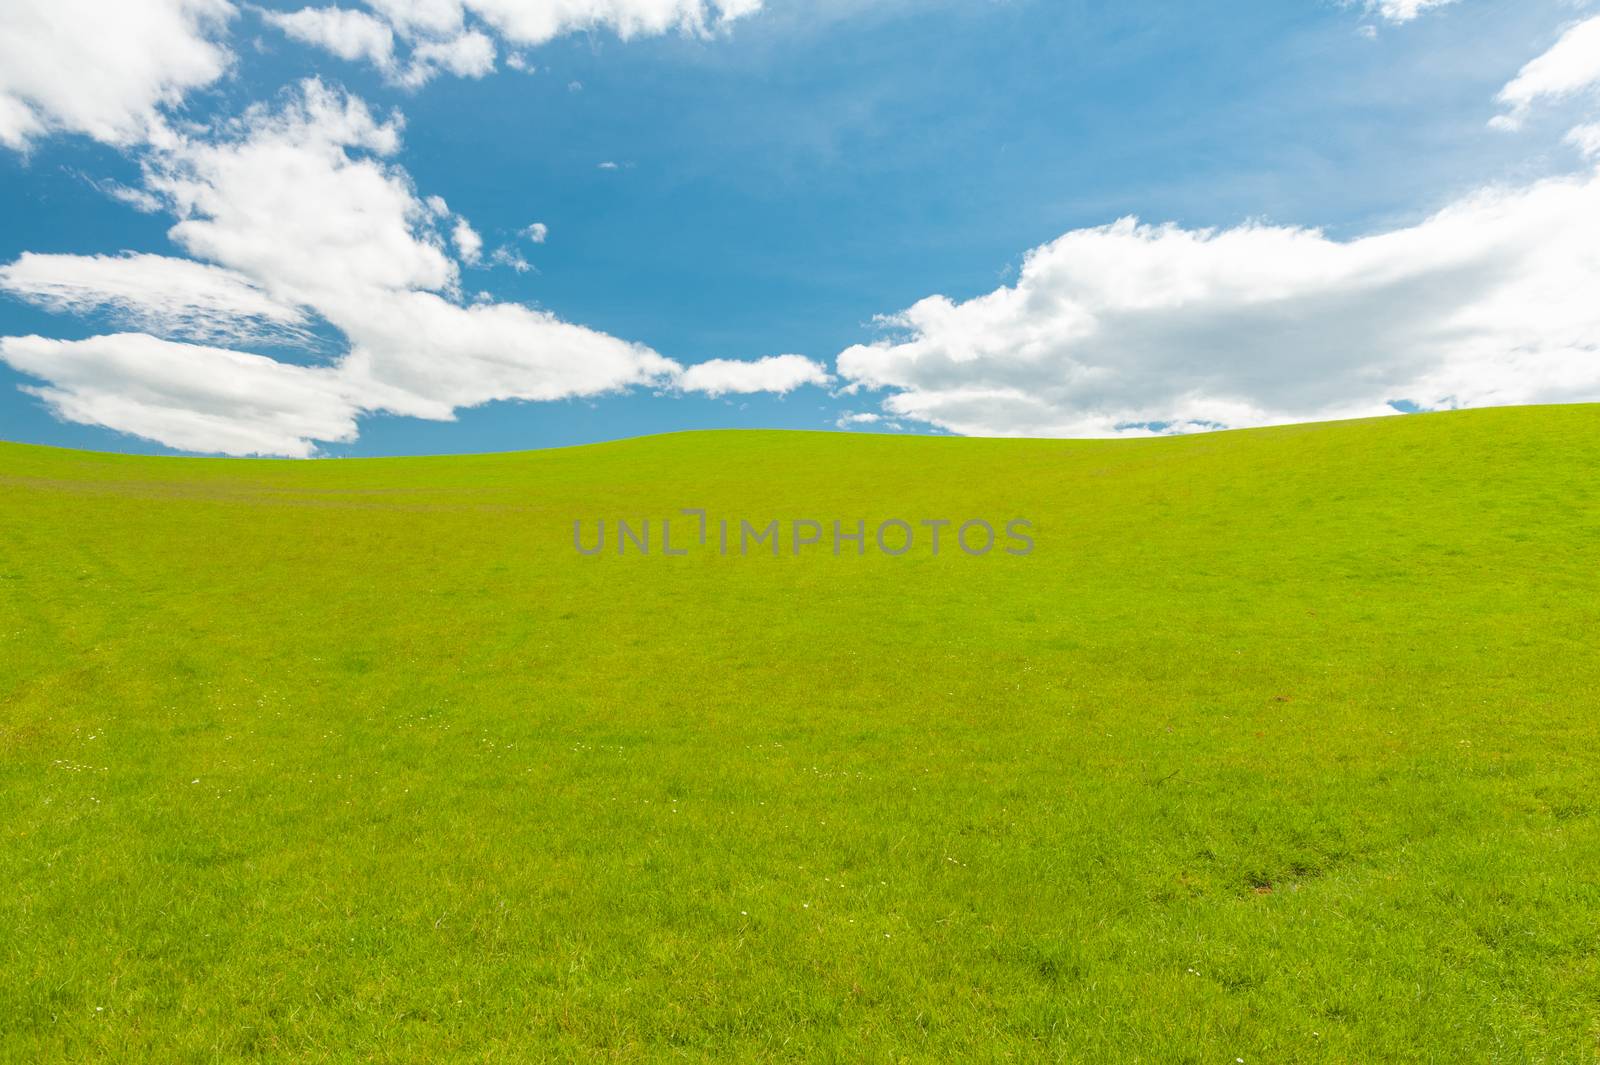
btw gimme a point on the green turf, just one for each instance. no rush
(1283, 745)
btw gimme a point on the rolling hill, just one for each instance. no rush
(1278, 745)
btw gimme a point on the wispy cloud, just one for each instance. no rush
(1571, 66)
(1403, 10)
(850, 420)
(175, 297)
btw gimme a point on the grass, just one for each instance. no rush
(1281, 746)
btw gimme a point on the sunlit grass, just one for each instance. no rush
(1281, 746)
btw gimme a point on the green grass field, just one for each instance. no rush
(1283, 745)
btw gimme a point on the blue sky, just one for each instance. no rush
(785, 176)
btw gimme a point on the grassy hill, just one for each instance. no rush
(1281, 745)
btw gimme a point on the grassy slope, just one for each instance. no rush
(1282, 746)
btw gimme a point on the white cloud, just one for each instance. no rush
(442, 36)
(775, 373)
(138, 199)
(468, 244)
(419, 354)
(538, 232)
(1570, 66)
(347, 34)
(103, 69)
(436, 18)
(468, 55)
(1402, 10)
(1136, 329)
(507, 257)
(303, 201)
(1586, 139)
(607, 165)
(300, 207)
(848, 419)
(535, 23)
(187, 396)
(177, 297)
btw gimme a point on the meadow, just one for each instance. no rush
(1280, 745)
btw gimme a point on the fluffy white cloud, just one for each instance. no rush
(347, 34)
(442, 37)
(177, 297)
(103, 69)
(538, 232)
(775, 373)
(299, 207)
(187, 396)
(304, 201)
(466, 55)
(1403, 10)
(1570, 66)
(1130, 328)
(469, 245)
